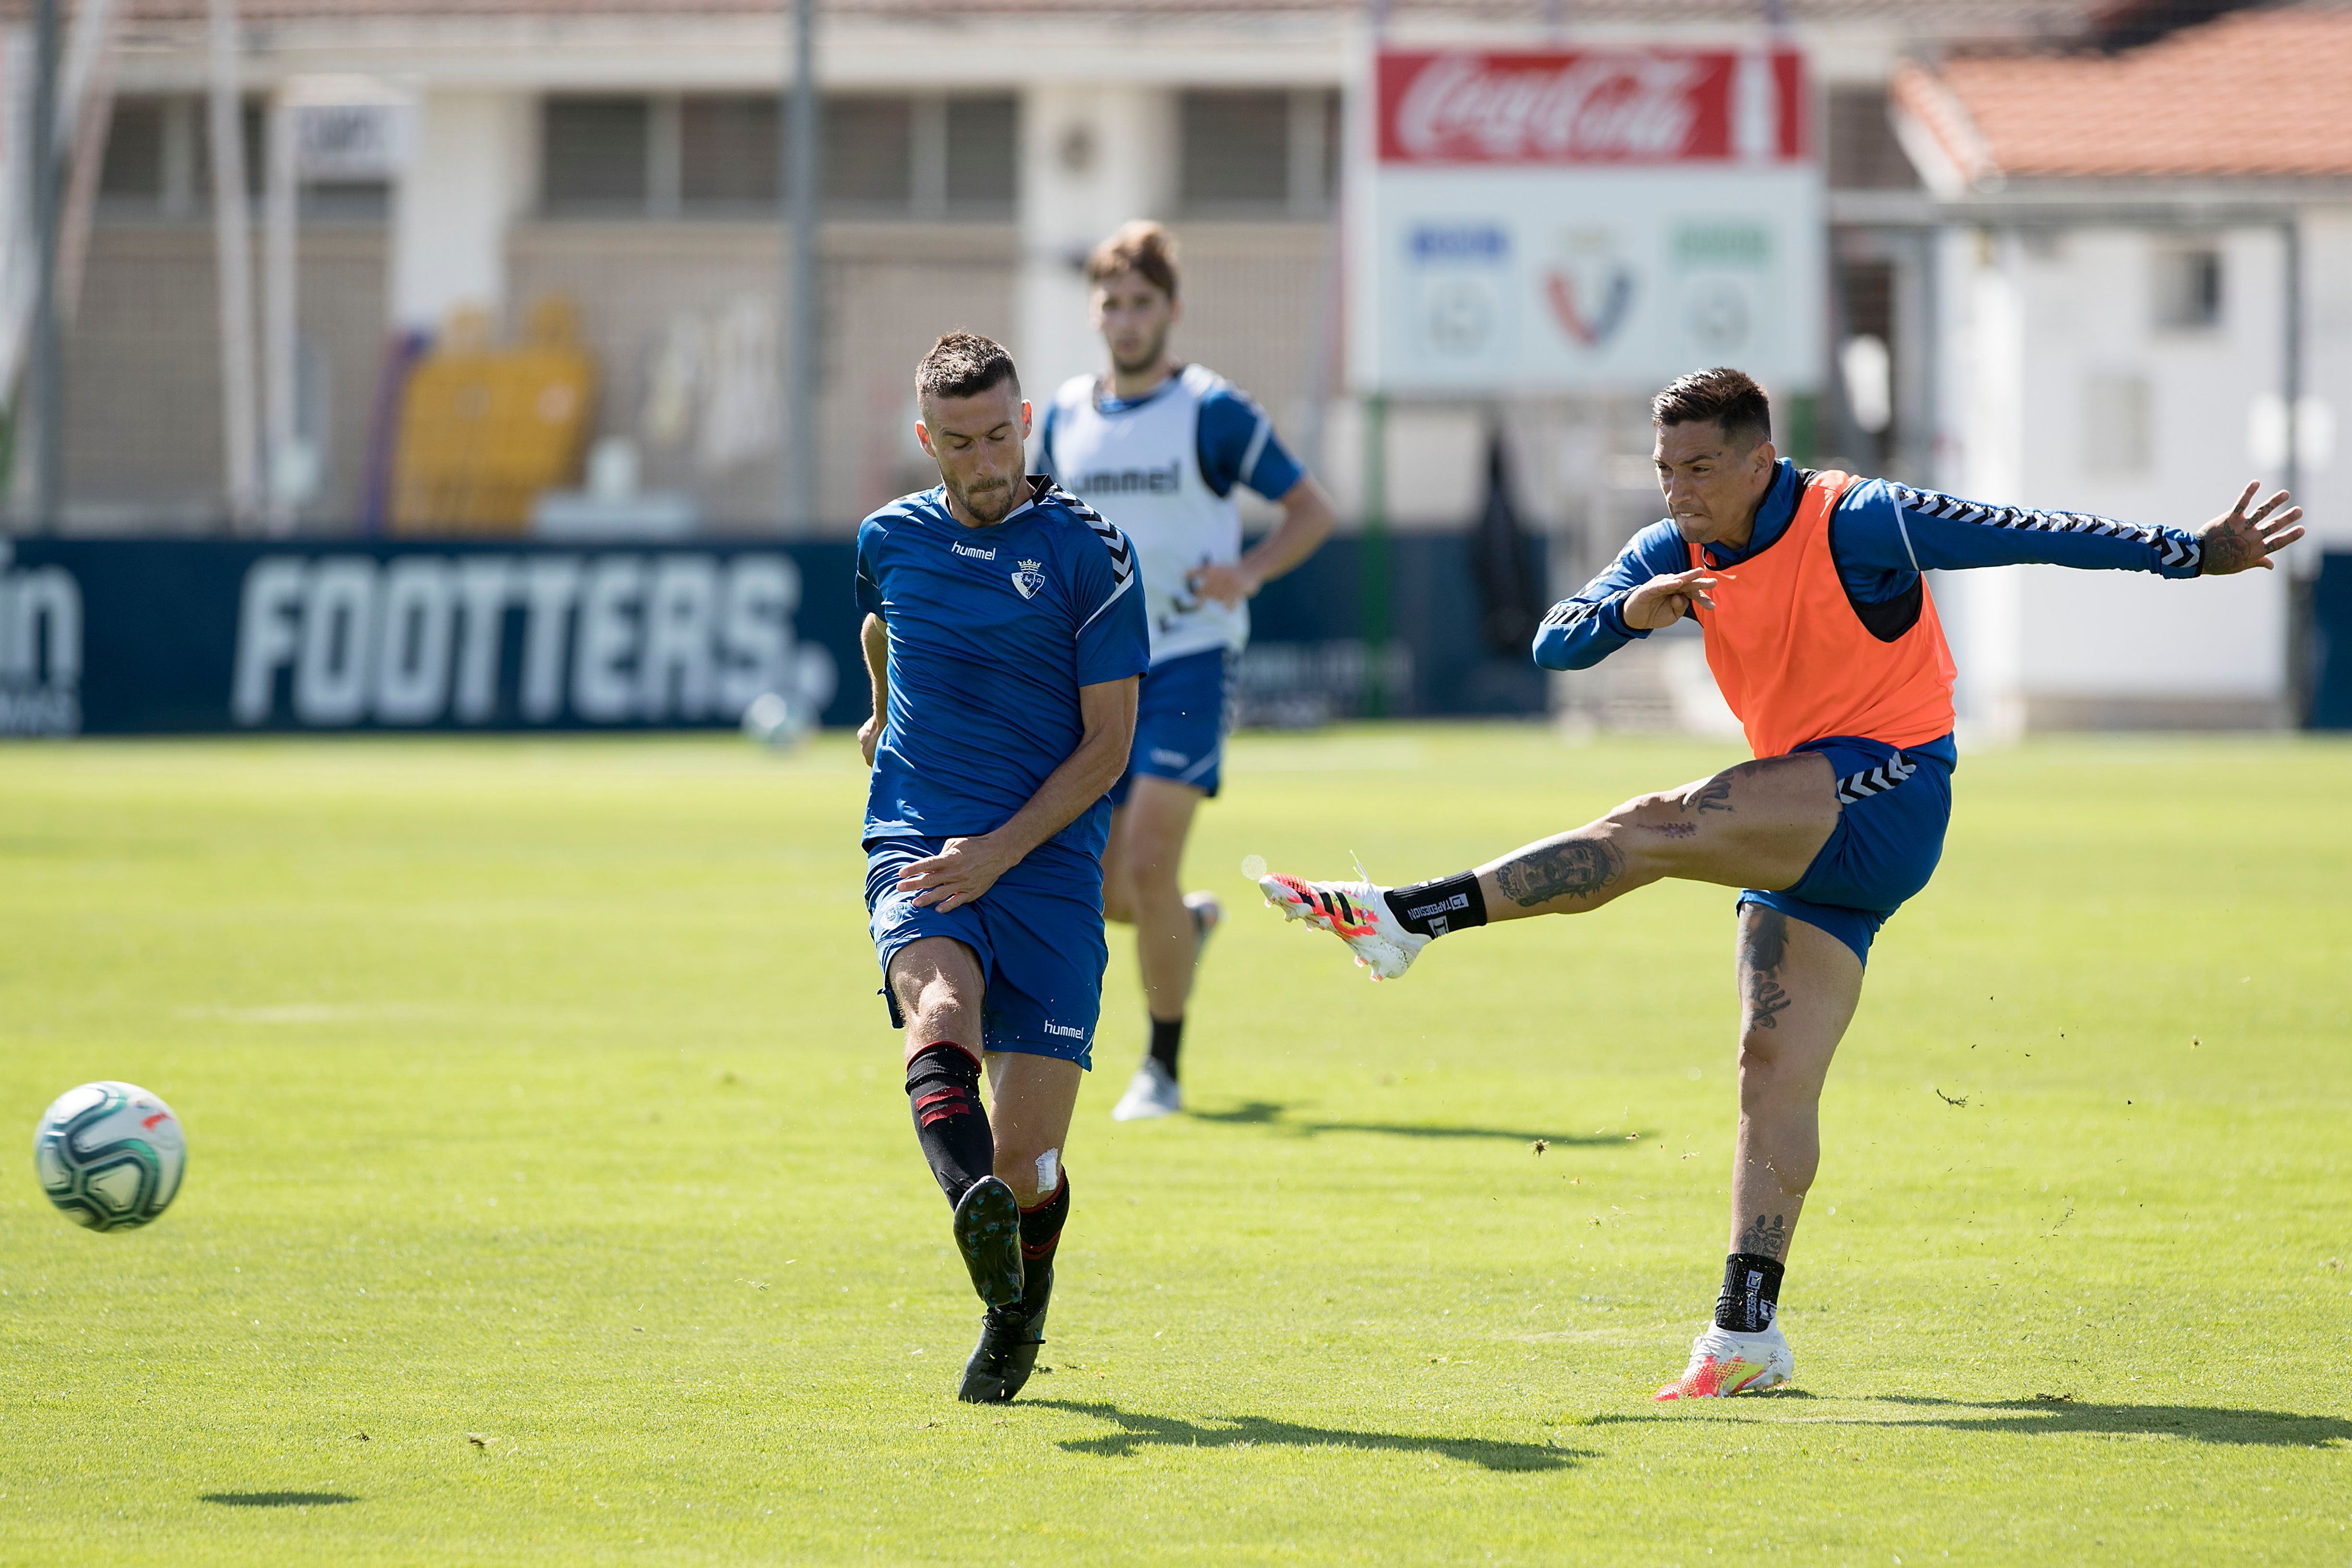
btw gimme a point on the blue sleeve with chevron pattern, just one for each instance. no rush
(1885, 532)
(1579, 633)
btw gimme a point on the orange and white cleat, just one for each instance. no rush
(1357, 913)
(1723, 1363)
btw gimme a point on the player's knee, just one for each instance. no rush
(937, 1010)
(1764, 1079)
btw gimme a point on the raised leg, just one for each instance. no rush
(1759, 824)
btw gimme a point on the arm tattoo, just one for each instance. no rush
(1764, 1238)
(1764, 947)
(1673, 830)
(1570, 868)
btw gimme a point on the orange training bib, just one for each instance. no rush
(1793, 658)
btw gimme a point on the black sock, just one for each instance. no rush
(1041, 1230)
(1167, 1036)
(1751, 1293)
(1433, 908)
(950, 1123)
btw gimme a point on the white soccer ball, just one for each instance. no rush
(778, 721)
(110, 1156)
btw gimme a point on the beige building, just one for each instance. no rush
(625, 155)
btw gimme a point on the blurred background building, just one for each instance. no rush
(2083, 253)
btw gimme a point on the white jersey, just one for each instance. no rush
(1139, 466)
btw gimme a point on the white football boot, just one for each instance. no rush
(1150, 1093)
(1723, 1363)
(1357, 913)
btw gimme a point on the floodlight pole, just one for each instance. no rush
(804, 362)
(45, 374)
(233, 258)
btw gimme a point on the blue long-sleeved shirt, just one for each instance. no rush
(1882, 536)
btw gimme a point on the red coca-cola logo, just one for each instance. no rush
(1624, 106)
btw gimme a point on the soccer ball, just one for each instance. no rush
(110, 1156)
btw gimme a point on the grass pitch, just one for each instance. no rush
(551, 1198)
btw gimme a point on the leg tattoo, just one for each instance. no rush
(1767, 946)
(1765, 1238)
(1572, 868)
(1715, 795)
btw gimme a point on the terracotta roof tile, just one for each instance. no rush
(2256, 92)
(1938, 19)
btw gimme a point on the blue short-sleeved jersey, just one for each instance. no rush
(993, 632)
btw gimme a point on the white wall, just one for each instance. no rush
(1092, 156)
(2046, 329)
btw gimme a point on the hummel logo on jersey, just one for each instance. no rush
(973, 550)
(1130, 481)
(1029, 580)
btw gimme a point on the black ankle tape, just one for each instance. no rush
(1434, 908)
(1751, 1297)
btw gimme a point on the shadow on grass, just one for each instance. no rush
(1138, 1431)
(1271, 1114)
(2049, 1415)
(278, 1498)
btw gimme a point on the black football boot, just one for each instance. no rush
(1008, 1340)
(988, 1234)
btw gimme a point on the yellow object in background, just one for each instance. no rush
(484, 429)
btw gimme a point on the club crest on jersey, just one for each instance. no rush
(1029, 580)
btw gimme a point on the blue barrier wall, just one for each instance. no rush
(2331, 650)
(131, 636)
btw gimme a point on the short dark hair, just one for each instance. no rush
(1142, 248)
(1728, 397)
(964, 364)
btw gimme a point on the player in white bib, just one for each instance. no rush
(1157, 447)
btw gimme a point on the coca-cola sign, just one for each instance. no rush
(1593, 106)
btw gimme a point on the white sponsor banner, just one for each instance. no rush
(1591, 221)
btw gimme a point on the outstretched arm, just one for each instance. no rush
(1884, 533)
(966, 868)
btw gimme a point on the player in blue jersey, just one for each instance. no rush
(1158, 447)
(1005, 637)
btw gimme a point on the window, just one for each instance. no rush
(982, 155)
(1259, 154)
(2187, 292)
(134, 171)
(869, 153)
(1862, 153)
(731, 153)
(2116, 421)
(595, 154)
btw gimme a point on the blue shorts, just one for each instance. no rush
(1182, 714)
(1037, 933)
(1893, 808)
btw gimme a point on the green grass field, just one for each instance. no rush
(552, 1199)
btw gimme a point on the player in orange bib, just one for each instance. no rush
(1824, 637)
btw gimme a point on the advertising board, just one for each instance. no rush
(1592, 219)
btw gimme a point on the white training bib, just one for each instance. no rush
(1140, 469)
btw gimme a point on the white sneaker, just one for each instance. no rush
(1354, 912)
(1152, 1092)
(1724, 1364)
